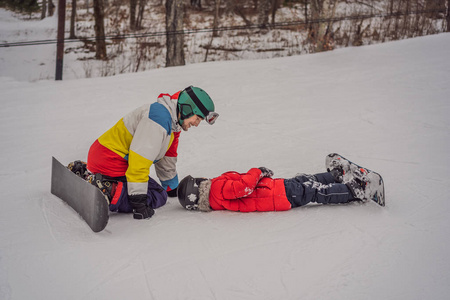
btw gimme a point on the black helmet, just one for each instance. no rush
(188, 193)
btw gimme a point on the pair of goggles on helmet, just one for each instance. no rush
(186, 112)
(210, 116)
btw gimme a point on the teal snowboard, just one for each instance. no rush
(87, 200)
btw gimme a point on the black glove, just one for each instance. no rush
(172, 193)
(266, 172)
(140, 208)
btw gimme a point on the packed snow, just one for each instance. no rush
(385, 107)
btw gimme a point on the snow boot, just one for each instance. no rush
(365, 184)
(339, 167)
(338, 174)
(106, 185)
(357, 184)
(79, 168)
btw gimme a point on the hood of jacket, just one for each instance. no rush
(170, 102)
(203, 195)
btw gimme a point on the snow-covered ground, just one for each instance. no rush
(384, 106)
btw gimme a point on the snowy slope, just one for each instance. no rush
(385, 107)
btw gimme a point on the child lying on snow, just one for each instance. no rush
(257, 191)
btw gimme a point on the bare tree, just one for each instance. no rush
(264, 8)
(140, 15)
(44, 9)
(133, 5)
(72, 20)
(51, 8)
(320, 30)
(275, 5)
(216, 18)
(174, 33)
(99, 27)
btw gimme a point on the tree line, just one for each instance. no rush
(407, 18)
(319, 33)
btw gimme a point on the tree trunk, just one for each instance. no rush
(216, 19)
(406, 19)
(99, 27)
(72, 20)
(275, 6)
(174, 33)
(133, 4)
(264, 7)
(306, 11)
(391, 7)
(320, 35)
(140, 15)
(44, 9)
(316, 13)
(51, 8)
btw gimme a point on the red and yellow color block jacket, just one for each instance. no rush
(248, 192)
(146, 136)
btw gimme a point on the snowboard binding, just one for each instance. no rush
(107, 186)
(365, 184)
(79, 168)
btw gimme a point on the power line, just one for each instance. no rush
(224, 28)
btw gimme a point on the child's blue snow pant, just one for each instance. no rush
(318, 188)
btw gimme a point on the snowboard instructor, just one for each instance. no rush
(147, 136)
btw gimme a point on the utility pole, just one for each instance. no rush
(60, 39)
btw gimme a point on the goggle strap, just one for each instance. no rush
(197, 101)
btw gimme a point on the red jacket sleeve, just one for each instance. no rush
(172, 151)
(241, 185)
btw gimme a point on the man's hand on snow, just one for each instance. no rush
(141, 210)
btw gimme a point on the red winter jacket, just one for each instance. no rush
(248, 192)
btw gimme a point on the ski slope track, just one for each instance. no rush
(386, 107)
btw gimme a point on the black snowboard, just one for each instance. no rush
(87, 200)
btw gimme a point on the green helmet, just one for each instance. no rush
(195, 101)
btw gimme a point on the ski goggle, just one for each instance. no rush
(211, 116)
(186, 111)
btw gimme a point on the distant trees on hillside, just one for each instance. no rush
(23, 6)
(321, 25)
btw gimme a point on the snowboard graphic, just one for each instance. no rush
(375, 186)
(87, 200)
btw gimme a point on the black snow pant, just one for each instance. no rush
(318, 188)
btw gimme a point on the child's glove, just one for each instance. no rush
(140, 208)
(266, 172)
